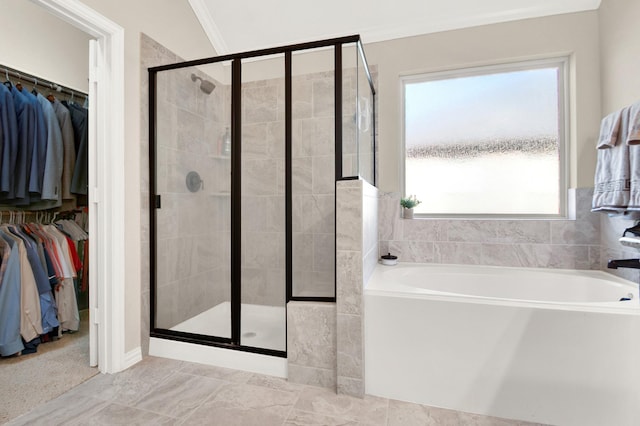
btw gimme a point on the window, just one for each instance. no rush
(487, 141)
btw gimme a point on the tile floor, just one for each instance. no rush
(160, 391)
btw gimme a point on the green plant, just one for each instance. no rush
(410, 202)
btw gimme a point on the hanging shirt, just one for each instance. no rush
(9, 138)
(51, 195)
(62, 251)
(68, 314)
(53, 251)
(10, 315)
(80, 121)
(47, 304)
(39, 153)
(53, 280)
(30, 313)
(64, 119)
(25, 115)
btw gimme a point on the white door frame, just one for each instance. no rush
(106, 181)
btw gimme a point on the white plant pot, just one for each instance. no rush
(407, 213)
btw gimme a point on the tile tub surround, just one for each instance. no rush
(162, 391)
(553, 243)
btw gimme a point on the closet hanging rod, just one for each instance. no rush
(54, 87)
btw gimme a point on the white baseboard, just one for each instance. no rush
(132, 357)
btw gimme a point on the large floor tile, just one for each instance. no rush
(61, 410)
(179, 395)
(368, 410)
(130, 385)
(241, 404)
(116, 414)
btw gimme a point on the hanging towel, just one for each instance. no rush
(633, 140)
(633, 132)
(609, 130)
(612, 184)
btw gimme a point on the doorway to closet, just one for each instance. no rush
(106, 335)
(58, 80)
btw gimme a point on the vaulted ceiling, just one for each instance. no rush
(242, 25)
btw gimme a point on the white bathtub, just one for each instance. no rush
(541, 345)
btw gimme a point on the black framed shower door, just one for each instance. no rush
(211, 180)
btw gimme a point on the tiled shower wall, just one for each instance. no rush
(571, 244)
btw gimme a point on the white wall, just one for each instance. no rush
(619, 53)
(620, 69)
(34, 41)
(575, 34)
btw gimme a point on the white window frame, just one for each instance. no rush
(563, 63)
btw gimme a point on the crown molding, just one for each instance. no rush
(209, 26)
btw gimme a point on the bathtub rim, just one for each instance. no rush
(631, 307)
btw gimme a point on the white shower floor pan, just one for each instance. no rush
(261, 327)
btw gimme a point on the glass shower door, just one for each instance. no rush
(193, 182)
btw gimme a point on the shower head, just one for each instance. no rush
(205, 85)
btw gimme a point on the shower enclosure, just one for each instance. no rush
(245, 151)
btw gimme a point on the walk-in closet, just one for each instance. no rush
(44, 209)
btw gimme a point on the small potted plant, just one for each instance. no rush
(408, 204)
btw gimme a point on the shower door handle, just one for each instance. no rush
(158, 202)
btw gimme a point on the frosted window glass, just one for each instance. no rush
(485, 144)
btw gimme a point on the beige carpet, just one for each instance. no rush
(30, 380)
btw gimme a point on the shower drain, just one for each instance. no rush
(249, 334)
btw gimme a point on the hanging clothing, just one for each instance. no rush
(39, 153)
(25, 115)
(47, 304)
(8, 142)
(37, 292)
(10, 306)
(80, 121)
(43, 150)
(69, 149)
(30, 313)
(51, 195)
